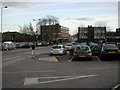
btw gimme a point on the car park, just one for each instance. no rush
(109, 51)
(73, 49)
(68, 46)
(26, 45)
(0, 46)
(19, 45)
(83, 51)
(95, 49)
(118, 45)
(58, 49)
(8, 46)
(39, 44)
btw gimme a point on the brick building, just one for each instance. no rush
(114, 36)
(89, 34)
(17, 37)
(54, 32)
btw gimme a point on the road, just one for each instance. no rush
(20, 70)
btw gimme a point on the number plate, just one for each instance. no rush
(111, 52)
(55, 52)
(95, 52)
(82, 56)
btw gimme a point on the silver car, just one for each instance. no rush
(58, 49)
(68, 46)
(83, 51)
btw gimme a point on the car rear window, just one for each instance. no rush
(111, 46)
(83, 48)
(69, 45)
(56, 47)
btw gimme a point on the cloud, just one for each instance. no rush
(18, 4)
(81, 19)
(19, 0)
(61, 0)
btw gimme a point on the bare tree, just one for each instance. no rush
(27, 29)
(52, 20)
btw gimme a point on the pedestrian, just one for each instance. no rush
(33, 49)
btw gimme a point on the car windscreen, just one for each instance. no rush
(69, 45)
(56, 47)
(95, 47)
(83, 48)
(112, 46)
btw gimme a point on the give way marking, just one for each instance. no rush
(43, 80)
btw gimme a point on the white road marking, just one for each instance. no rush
(98, 59)
(11, 58)
(104, 68)
(55, 77)
(115, 88)
(32, 81)
(30, 71)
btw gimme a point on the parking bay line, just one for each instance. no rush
(32, 81)
(104, 68)
(11, 58)
(98, 59)
(29, 72)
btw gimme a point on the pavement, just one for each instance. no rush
(53, 58)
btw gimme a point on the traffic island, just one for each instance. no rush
(53, 58)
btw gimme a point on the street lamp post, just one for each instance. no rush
(36, 28)
(2, 15)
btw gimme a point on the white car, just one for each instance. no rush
(58, 49)
(68, 46)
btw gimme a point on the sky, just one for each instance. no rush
(70, 14)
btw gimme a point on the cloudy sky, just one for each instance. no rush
(70, 14)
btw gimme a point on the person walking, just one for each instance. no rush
(33, 49)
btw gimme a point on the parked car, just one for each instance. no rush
(8, 46)
(39, 44)
(109, 51)
(95, 49)
(118, 45)
(58, 49)
(73, 49)
(26, 45)
(68, 46)
(83, 51)
(19, 45)
(0, 46)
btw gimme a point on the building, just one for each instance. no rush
(113, 36)
(91, 34)
(54, 33)
(17, 37)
